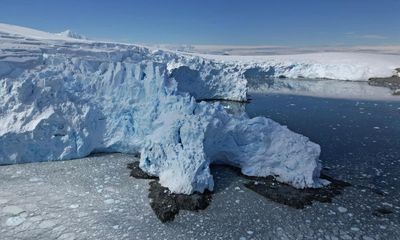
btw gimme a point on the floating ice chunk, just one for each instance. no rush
(15, 221)
(342, 209)
(109, 201)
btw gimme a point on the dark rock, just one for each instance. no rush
(166, 204)
(270, 188)
(137, 172)
(379, 212)
(378, 191)
(392, 83)
(99, 154)
(221, 100)
(293, 197)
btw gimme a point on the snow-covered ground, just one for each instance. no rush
(339, 66)
(352, 65)
(262, 50)
(64, 97)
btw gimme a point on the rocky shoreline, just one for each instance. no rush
(166, 205)
(392, 82)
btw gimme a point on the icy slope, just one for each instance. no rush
(29, 33)
(66, 98)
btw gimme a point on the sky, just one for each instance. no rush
(216, 22)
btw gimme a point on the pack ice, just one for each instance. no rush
(63, 98)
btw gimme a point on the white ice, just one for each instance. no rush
(64, 98)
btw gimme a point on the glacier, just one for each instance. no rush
(64, 98)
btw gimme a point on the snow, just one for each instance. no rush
(260, 50)
(331, 65)
(8, 29)
(70, 34)
(63, 98)
(354, 64)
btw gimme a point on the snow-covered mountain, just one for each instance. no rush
(64, 98)
(30, 34)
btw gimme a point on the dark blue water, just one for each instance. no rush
(360, 140)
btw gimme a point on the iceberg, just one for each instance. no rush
(67, 98)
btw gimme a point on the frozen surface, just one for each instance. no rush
(340, 66)
(357, 63)
(94, 198)
(262, 50)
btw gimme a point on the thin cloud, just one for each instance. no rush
(366, 36)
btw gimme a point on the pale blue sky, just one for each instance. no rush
(238, 22)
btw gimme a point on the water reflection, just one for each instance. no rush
(359, 138)
(321, 88)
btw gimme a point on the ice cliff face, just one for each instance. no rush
(338, 66)
(64, 99)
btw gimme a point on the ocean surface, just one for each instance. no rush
(359, 138)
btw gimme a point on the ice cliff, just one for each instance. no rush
(64, 98)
